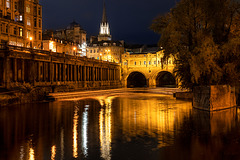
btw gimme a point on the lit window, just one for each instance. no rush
(8, 4)
(28, 34)
(20, 32)
(144, 62)
(20, 18)
(28, 9)
(28, 21)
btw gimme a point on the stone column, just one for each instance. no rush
(101, 76)
(70, 71)
(84, 73)
(6, 77)
(51, 69)
(33, 71)
(23, 70)
(15, 71)
(93, 73)
(75, 72)
(64, 72)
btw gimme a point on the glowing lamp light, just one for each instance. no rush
(74, 48)
(30, 38)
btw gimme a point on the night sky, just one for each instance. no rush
(129, 19)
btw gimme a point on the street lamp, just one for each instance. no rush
(100, 56)
(30, 38)
(74, 50)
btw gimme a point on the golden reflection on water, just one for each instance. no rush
(62, 143)
(75, 133)
(157, 117)
(105, 123)
(31, 154)
(53, 152)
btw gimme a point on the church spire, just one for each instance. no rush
(104, 33)
(104, 16)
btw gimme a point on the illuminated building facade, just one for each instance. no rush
(71, 40)
(149, 65)
(20, 20)
(106, 50)
(61, 46)
(103, 47)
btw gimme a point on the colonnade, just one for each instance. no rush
(46, 68)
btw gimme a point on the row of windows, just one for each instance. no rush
(144, 62)
(97, 50)
(36, 11)
(18, 31)
(5, 28)
(35, 35)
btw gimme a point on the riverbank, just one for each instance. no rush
(22, 93)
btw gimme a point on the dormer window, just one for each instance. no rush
(105, 44)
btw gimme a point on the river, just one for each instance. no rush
(141, 126)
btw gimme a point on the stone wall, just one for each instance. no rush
(215, 97)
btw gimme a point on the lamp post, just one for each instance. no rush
(30, 38)
(100, 56)
(74, 51)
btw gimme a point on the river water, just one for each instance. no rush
(140, 126)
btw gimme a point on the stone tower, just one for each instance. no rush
(104, 33)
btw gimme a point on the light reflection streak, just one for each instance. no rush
(53, 152)
(157, 117)
(62, 143)
(105, 130)
(75, 133)
(31, 154)
(21, 153)
(84, 130)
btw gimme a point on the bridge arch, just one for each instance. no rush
(136, 79)
(165, 79)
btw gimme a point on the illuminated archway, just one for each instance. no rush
(136, 79)
(165, 79)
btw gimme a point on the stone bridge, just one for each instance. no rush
(147, 70)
